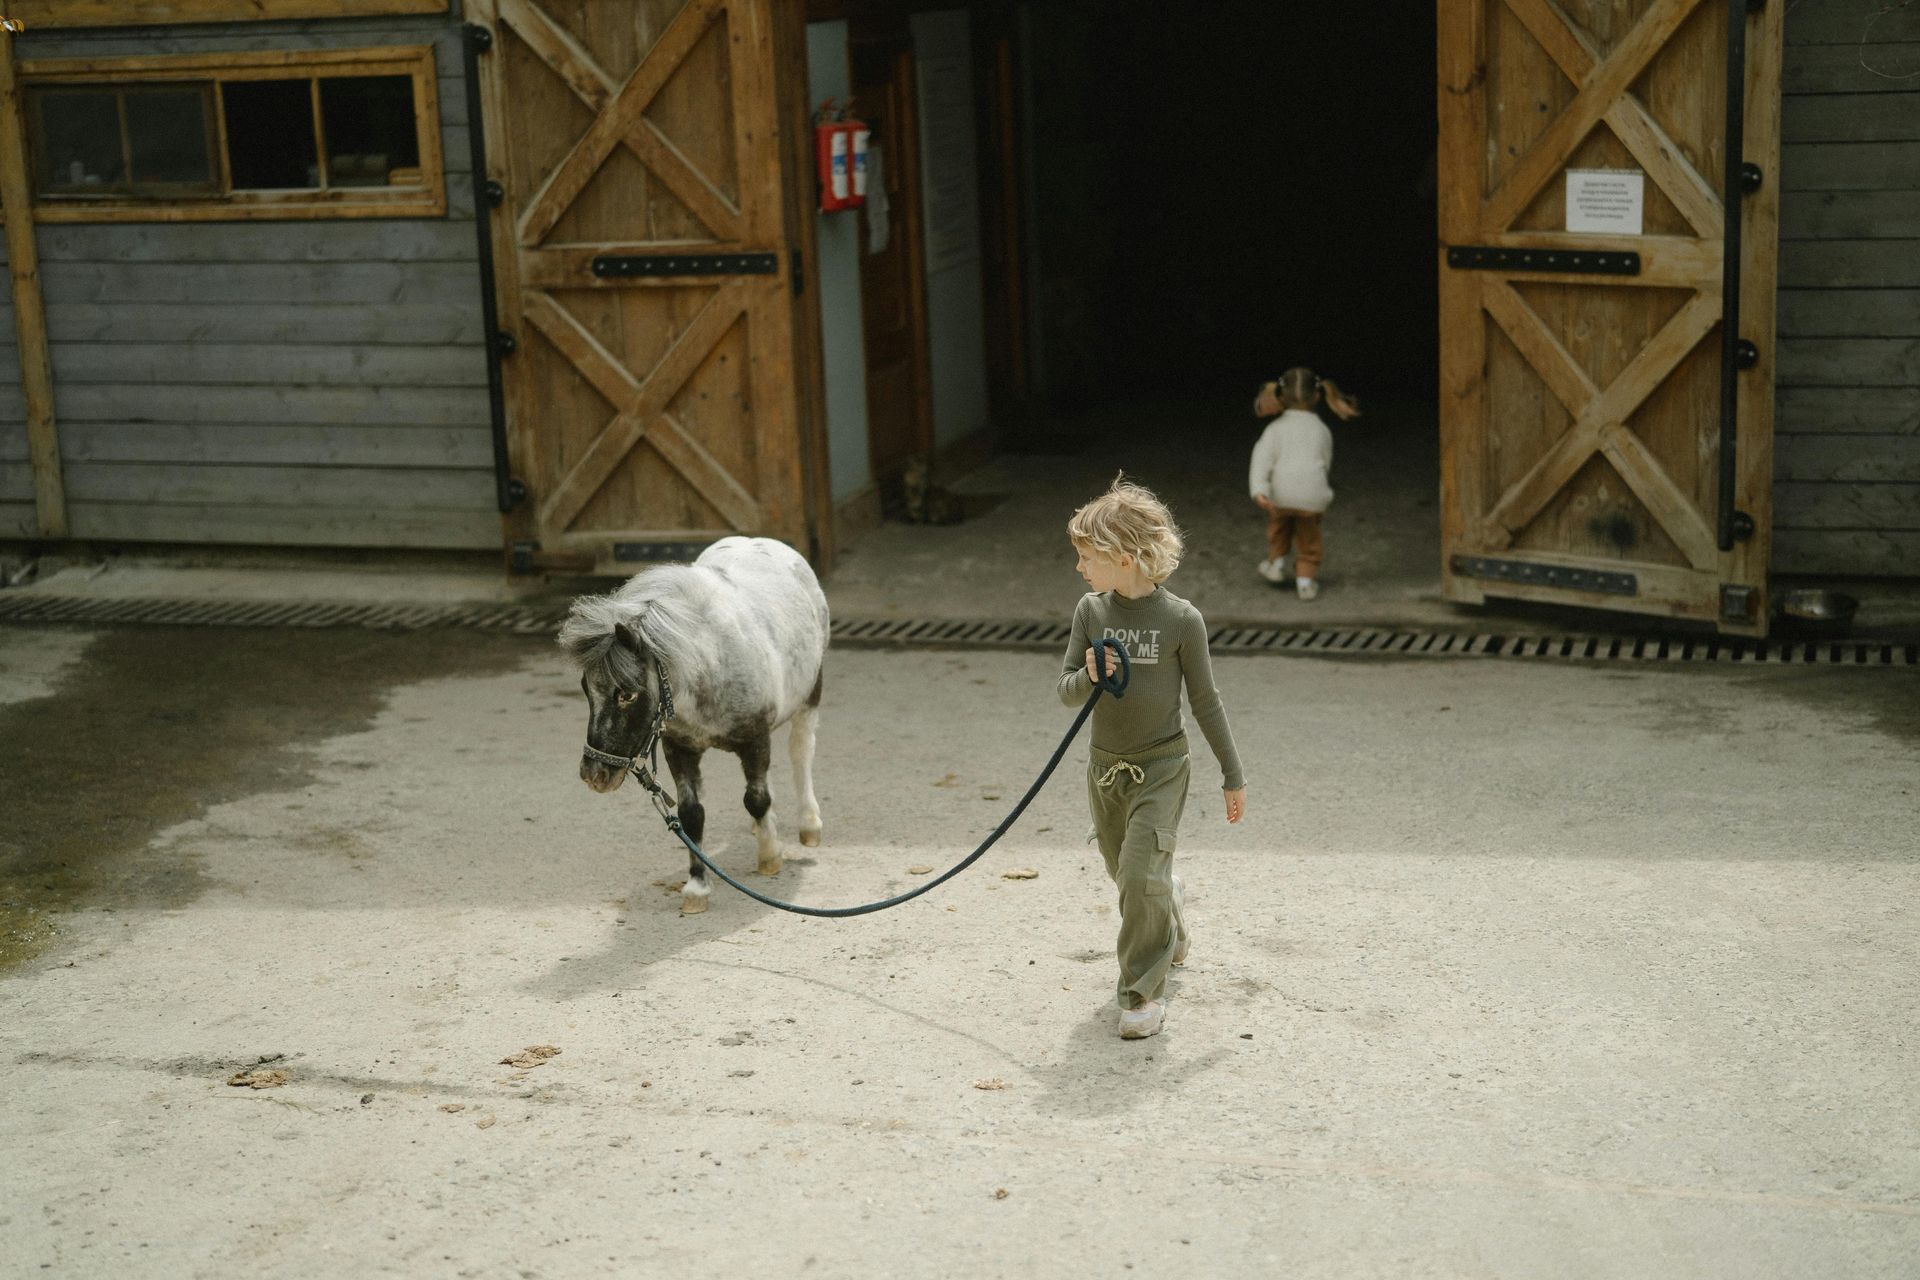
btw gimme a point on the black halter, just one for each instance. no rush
(649, 751)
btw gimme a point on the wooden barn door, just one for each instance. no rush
(1581, 373)
(644, 280)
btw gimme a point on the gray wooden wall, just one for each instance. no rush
(286, 383)
(1847, 425)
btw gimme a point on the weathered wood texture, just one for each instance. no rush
(1847, 462)
(37, 14)
(296, 383)
(663, 407)
(32, 368)
(1580, 415)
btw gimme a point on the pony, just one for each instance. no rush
(737, 639)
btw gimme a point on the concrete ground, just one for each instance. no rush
(1513, 970)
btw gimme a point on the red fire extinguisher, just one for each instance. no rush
(840, 149)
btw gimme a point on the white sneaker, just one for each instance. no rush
(1308, 588)
(1179, 922)
(1138, 1024)
(1274, 570)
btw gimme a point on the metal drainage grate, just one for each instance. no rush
(1363, 642)
(520, 619)
(974, 633)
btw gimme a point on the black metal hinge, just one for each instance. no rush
(624, 266)
(1586, 262)
(1600, 581)
(656, 552)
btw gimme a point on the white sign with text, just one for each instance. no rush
(1609, 201)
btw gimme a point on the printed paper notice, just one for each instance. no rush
(1609, 201)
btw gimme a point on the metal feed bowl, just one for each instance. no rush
(1817, 611)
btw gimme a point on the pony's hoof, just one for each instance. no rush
(693, 897)
(810, 838)
(771, 866)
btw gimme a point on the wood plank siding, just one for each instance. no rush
(307, 383)
(1847, 409)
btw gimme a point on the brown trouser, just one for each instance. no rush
(1286, 529)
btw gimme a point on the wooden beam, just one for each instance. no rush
(136, 13)
(1666, 262)
(1607, 82)
(1677, 515)
(620, 388)
(570, 177)
(708, 478)
(668, 165)
(270, 64)
(1461, 106)
(565, 55)
(1643, 374)
(1575, 54)
(1758, 321)
(595, 89)
(29, 307)
(799, 232)
(1551, 360)
(643, 400)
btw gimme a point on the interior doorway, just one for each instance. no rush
(892, 280)
(1213, 200)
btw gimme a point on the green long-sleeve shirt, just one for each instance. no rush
(1166, 639)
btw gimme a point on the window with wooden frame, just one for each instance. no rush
(312, 134)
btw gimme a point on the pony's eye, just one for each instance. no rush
(627, 699)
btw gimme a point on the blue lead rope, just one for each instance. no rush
(1114, 683)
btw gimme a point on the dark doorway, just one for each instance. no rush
(1221, 191)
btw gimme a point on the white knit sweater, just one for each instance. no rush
(1291, 460)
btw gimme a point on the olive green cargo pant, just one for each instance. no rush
(1136, 803)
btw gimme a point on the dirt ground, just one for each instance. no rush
(1514, 970)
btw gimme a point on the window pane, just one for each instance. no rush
(79, 141)
(168, 130)
(270, 133)
(371, 138)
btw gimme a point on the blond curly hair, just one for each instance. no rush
(1128, 520)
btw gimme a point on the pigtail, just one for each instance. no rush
(1340, 402)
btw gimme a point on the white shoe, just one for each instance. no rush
(1274, 570)
(1308, 588)
(1179, 922)
(1138, 1024)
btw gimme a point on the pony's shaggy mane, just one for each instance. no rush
(663, 606)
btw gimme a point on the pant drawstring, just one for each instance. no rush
(1105, 779)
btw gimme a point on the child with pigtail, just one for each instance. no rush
(1288, 477)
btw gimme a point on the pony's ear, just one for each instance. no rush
(629, 639)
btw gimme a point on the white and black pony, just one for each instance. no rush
(739, 636)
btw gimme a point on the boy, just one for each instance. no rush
(1138, 768)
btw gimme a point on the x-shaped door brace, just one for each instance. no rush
(1600, 415)
(619, 119)
(640, 404)
(641, 409)
(1599, 421)
(1603, 95)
